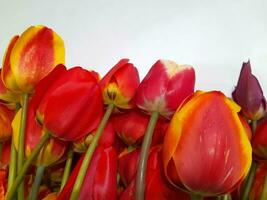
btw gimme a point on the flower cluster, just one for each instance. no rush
(67, 133)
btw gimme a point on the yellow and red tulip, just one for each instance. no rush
(119, 84)
(259, 141)
(100, 180)
(72, 105)
(249, 95)
(206, 148)
(165, 86)
(6, 117)
(30, 57)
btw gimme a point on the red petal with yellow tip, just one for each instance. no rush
(207, 132)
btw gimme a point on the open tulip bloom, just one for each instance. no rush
(67, 133)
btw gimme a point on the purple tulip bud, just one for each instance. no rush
(249, 95)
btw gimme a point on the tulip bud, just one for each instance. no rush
(100, 179)
(131, 127)
(6, 117)
(259, 141)
(165, 86)
(107, 139)
(156, 187)
(72, 105)
(249, 95)
(206, 148)
(119, 84)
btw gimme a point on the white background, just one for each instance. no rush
(213, 36)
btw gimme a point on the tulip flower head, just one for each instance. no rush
(165, 86)
(30, 57)
(249, 95)
(259, 141)
(6, 117)
(119, 84)
(207, 128)
(72, 105)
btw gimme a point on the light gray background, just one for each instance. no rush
(213, 36)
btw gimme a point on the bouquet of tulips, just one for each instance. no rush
(68, 133)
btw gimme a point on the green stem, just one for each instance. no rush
(264, 189)
(196, 197)
(141, 173)
(67, 169)
(253, 125)
(37, 181)
(224, 197)
(249, 181)
(26, 165)
(21, 150)
(89, 153)
(12, 165)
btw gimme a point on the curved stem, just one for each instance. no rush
(249, 181)
(264, 190)
(37, 181)
(196, 197)
(141, 173)
(12, 165)
(89, 154)
(21, 150)
(26, 165)
(67, 169)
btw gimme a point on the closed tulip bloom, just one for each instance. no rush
(30, 57)
(249, 95)
(165, 86)
(206, 148)
(6, 117)
(157, 187)
(72, 105)
(131, 127)
(100, 180)
(259, 141)
(119, 85)
(53, 150)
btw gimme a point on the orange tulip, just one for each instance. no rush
(206, 148)
(6, 117)
(30, 57)
(259, 141)
(119, 84)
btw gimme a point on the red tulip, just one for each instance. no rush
(107, 139)
(258, 182)
(6, 117)
(3, 183)
(30, 57)
(206, 148)
(119, 84)
(249, 95)
(259, 141)
(100, 179)
(131, 127)
(5, 154)
(157, 187)
(72, 105)
(165, 86)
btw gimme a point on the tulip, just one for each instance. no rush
(5, 154)
(119, 85)
(131, 127)
(100, 180)
(249, 95)
(6, 117)
(259, 141)
(259, 186)
(161, 92)
(156, 187)
(30, 57)
(106, 139)
(3, 175)
(207, 132)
